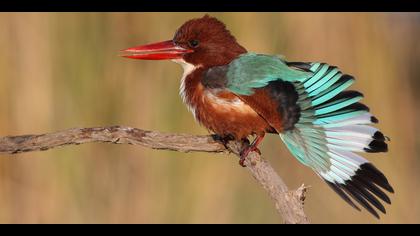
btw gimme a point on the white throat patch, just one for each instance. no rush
(188, 69)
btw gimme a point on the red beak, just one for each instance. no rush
(156, 51)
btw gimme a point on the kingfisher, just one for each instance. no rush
(238, 94)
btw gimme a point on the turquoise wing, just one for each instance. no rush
(250, 71)
(332, 127)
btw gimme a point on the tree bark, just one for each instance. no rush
(288, 203)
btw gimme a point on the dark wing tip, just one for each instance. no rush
(356, 194)
(370, 172)
(372, 188)
(362, 188)
(377, 146)
(379, 136)
(338, 189)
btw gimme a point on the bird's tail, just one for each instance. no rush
(333, 126)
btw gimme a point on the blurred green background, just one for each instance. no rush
(62, 70)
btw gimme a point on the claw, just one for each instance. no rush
(241, 162)
(251, 148)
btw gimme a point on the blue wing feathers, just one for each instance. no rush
(251, 71)
(332, 126)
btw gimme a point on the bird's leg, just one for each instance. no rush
(251, 148)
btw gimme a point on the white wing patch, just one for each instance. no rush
(235, 105)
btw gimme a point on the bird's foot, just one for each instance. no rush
(250, 148)
(253, 147)
(223, 139)
(246, 152)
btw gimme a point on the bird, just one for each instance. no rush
(238, 94)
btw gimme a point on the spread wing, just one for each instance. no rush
(322, 124)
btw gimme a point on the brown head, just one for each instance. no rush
(202, 41)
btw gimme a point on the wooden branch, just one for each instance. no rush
(288, 203)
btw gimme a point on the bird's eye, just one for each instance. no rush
(193, 43)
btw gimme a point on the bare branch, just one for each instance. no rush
(288, 203)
